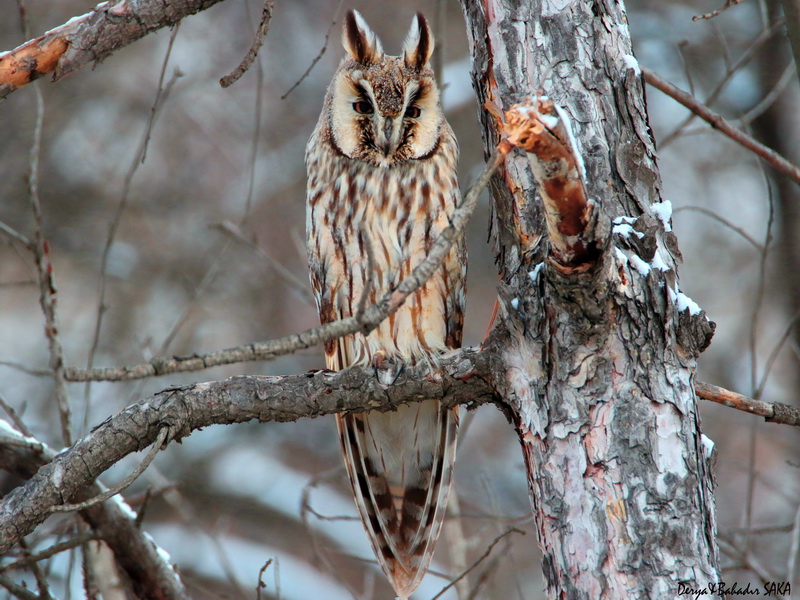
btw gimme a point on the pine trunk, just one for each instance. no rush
(596, 360)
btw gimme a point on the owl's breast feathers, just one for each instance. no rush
(368, 228)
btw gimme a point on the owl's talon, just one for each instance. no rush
(387, 369)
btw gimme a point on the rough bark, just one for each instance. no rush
(150, 575)
(597, 365)
(90, 38)
(460, 379)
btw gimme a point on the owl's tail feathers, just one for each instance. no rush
(401, 465)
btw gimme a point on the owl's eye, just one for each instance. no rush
(363, 107)
(413, 112)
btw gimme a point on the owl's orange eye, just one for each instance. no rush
(413, 112)
(363, 107)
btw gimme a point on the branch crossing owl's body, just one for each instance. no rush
(381, 186)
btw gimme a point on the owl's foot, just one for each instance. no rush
(387, 369)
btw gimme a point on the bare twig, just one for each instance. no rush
(121, 485)
(772, 158)
(47, 288)
(761, 39)
(753, 339)
(261, 34)
(251, 178)
(69, 544)
(773, 412)
(479, 561)
(12, 414)
(370, 319)
(261, 585)
(716, 12)
(774, 354)
(13, 234)
(769, 99)
(17, 590)
(717, 217)
(38, 574)
(318, 56)
(25, 369)
(162, 93)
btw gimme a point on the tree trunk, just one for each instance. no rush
(597, 358)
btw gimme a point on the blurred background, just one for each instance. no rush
(210, 253)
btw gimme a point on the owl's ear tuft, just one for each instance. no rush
(418, 46)
(359, 40)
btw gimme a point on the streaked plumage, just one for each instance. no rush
(382, 177)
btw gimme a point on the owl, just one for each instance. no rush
(381, 187)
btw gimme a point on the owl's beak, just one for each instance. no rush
(388, 135)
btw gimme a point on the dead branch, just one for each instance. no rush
(69, 544)
(371, 317)
(772, 158)
(773, 412)
(322, 53)
(138, 556)
(90, 38)
(261, 34)
(716, 12)
(749, 53)
(479, 561)
(462, 378)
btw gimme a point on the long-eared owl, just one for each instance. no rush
(381, 186)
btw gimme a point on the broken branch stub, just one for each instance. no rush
(543, 131)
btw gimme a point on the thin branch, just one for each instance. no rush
(38, 574)
(717, 217)
(772, 158)
(479, 561)
(12, 414)
(13, 234)
(261, 34)
(25, 369)
(769, 99)
(773, 356)
(17, 590)
(366, 322)
(121, 485)
(318, 56)
(162, 93)
(298, 285)
(261, 585)
(90, 38)
(69, 544)
(150, 574)
(773, 412)
(47, 287)
(748, 55)
(716, 12)
(463, 377)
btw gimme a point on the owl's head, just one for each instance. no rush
(385, 110)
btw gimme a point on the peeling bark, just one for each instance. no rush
(597, 363)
